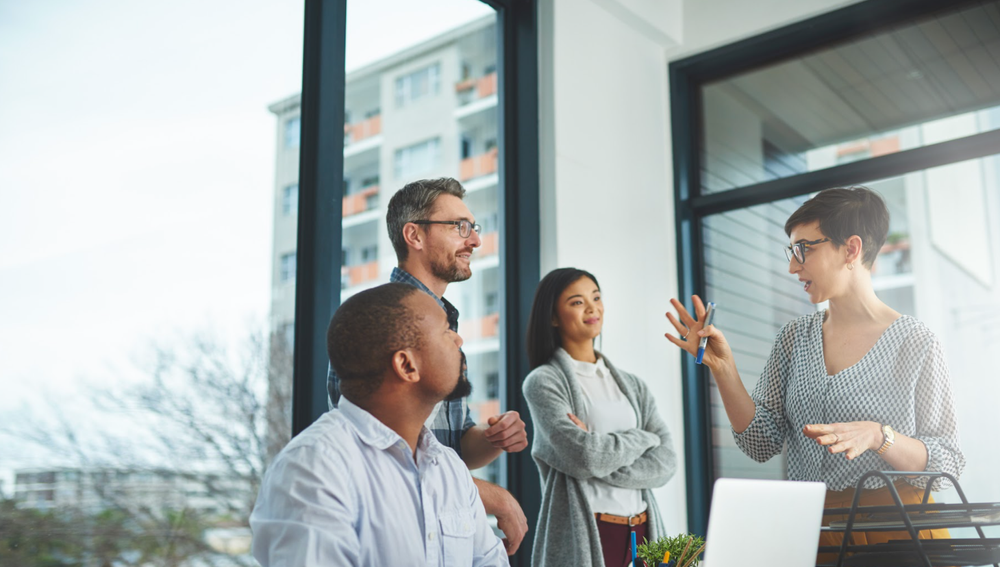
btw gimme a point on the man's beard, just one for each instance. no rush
(450, 273)
(464, 387)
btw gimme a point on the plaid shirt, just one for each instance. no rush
(453, 419)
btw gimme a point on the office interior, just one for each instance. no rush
(659, 145)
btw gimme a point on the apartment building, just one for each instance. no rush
(94, 490)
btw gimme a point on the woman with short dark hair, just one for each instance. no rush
(599, 443)
(852, 388)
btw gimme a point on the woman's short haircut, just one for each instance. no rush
(543, 337)
(844, 212)
(365, 332)
(415, 201)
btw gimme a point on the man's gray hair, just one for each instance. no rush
(415, 202)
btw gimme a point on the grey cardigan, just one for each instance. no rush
(641, 458)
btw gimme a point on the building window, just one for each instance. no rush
(369, 254)
(288, 333)
(287, 267)
(293, 130)
(466, 147)
(290, 199)
(419, 84)
(417, 159)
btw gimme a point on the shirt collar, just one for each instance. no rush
(588, 369)
(373, 432)
(399, 275)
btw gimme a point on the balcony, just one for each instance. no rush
(364, 200)
(358, 131)
(490, 244)
(481, 411)
(471, 90)
(351, 276)
(482, 328)
(478, 166)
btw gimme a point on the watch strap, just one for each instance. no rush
(889, 438)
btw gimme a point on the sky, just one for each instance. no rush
(137, 173)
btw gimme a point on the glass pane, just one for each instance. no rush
(914, 85)
(421, 103)
(938, 264)
(145, 383)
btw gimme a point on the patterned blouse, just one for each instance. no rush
(902, 381)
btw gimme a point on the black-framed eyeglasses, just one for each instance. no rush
(798, 250)
(465, 227)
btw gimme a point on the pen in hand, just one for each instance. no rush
(709, 314)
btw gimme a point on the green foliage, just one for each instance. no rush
(31, 538)
(70, 538)
(652, 551)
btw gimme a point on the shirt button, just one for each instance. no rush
(430, 536)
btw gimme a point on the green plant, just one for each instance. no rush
(684, 550)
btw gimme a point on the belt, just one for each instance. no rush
(623, 520)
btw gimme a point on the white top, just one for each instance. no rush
(606, 410)
(347, 491)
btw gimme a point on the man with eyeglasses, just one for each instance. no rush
(434, 236)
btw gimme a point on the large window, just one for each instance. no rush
(145, 353)
(356, 88)
(910, 108)
(425, 142)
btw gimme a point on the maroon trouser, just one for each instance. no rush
(616, 541)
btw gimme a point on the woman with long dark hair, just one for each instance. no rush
(599, 443)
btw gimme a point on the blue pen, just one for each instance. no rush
(704, 340)
(634, 551)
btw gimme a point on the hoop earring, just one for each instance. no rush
(850, 266)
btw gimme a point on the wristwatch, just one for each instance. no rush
(889, 437)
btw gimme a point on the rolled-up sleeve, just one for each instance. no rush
(765, 436)
(936, 422)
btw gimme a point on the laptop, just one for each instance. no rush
(764, 523)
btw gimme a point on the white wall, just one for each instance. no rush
(607, 185)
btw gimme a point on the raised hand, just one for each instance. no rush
(690, 331)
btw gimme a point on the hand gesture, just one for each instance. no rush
(851, 438)
(506, 432)
(691, 330)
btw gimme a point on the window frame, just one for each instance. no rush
(687, 76)
(319, 238)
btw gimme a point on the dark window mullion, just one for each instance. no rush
(320, 194)
(519, 213)
(863, 171)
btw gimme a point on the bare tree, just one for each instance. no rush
(203, 424)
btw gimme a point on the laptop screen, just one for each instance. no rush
(763, 523)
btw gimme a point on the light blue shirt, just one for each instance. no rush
(347, 491)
